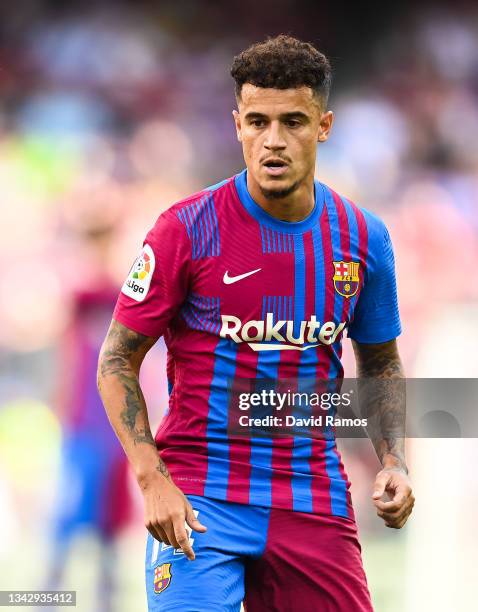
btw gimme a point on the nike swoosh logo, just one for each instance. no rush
(228, 280)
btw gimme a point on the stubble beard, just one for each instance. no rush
(278, 194)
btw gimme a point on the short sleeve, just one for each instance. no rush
(376, 315)
(158, 281)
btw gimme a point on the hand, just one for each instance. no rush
(397, 485)
(166, 512)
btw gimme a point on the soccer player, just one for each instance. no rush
(256, 277)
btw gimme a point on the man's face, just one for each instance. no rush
(279, 130)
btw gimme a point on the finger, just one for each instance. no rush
(157, 533)
(151, 526)
(390, 506)
(403, 516)
(169, 529)
(193, 522)
(397, 524)
(398, 520)
(394, 517)
(153, 532)
(402, 496)
(380, 485)
(400, 499)
(390, 512)
(404, 520)
(402, 490)
(162, 535)
(183, 538)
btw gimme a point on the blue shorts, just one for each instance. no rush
(271, 559)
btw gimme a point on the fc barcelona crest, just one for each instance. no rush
(162, 577)
(346, 278)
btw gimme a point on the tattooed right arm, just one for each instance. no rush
(166, 508)
(120, 359)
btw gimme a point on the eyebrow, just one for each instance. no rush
(291, 115)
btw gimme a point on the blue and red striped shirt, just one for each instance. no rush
(239, 294)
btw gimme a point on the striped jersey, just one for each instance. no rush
(239, 294)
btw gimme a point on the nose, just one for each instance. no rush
(274, 137)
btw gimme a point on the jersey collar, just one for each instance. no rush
(264, 218)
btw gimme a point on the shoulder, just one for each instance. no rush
(194, 218)
(357, 215)
(189, 207)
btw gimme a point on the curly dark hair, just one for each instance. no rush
(283, 62)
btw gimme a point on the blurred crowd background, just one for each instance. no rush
(110, 112)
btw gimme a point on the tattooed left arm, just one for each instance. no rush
(381, 381)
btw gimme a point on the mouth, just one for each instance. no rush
(275, 166)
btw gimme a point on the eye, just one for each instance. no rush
(258, 123)
(292, 123)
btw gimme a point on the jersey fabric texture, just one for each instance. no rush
(240, 294)
(246, 554)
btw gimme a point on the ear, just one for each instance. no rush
(237, 121)
(325, 126)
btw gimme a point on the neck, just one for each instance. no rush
(294, 207)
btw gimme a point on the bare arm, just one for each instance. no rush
(381, 375)
(166, 508)
(120, 360)
(381, 367)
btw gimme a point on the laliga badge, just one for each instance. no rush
(136, 286)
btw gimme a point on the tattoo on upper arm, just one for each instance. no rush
(121, 345)
(378, 360)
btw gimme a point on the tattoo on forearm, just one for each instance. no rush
(135, 405)
(382, 393)
(121, 346)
